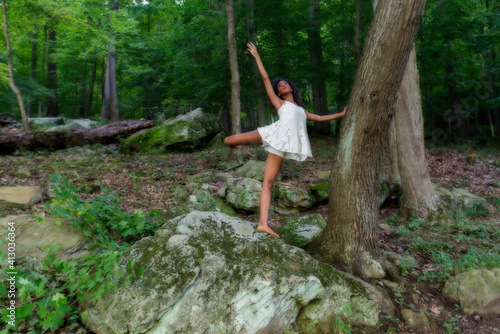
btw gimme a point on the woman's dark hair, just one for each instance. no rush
(295, 91)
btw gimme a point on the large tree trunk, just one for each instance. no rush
(418, 196)
(256, 81)
(107, 134)
(32, 71)
(320, 106)
(235, 74)
(350, 239)
(53, 105)
(13, 86)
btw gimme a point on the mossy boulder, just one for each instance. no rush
(289, 198)
(33, 236)
(253, 169)
(474, 288)
(206, 272)
(188, 132)
(200, 200)
(301, 231)
(242, 193)
(460, 202)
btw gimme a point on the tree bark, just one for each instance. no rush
(13, 86)
(357, 31)
(235, 74)
(256, 81)
(320, 106)
(350, 239)
(418, 195)
(107, 134)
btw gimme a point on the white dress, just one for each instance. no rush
(287, 137)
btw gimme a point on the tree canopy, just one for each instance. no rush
(172, 56)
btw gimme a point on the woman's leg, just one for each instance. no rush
(247, 138)
(273, 164)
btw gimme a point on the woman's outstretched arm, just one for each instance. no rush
(275, 100)
(318, 118)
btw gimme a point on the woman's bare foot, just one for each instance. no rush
(268, 230)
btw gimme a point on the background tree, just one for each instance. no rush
(110, 96)
(11, 70)
(350, 238)
(235, 74)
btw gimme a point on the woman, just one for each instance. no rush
(286, 138)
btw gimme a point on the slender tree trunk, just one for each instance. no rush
(53, 105)
(13, 86)
(109, 110)
(112, 89)
(316, 59)
(32, 71)
(42, 72)
(106, 99)
(256, 81)
(235, 74)
(350, 239)
(418, 195)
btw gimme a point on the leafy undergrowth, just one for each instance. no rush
(144, 186)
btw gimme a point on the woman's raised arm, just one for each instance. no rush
(275, 100)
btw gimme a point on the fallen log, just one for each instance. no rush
(107, 134)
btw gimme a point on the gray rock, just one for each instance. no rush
(299, 232)
(185, 131)
(417, 321)
(210, 273)
(61, 123)
(242, 193)
(252, 169)
(205, 177)
(200, 200)
(289, 198)
(33, 236)
(19, 197)
(223, 177)
(323, 176)
(474, 288)
(23, 173)
(459, 201)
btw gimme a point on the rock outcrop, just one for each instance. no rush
(207, 272)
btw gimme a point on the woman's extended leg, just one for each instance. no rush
(247, 138)
(273, 164)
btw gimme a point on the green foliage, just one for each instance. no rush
(100, 218)
(50, 305)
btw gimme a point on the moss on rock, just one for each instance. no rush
(188, 131)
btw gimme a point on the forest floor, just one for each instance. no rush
(144, 182)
